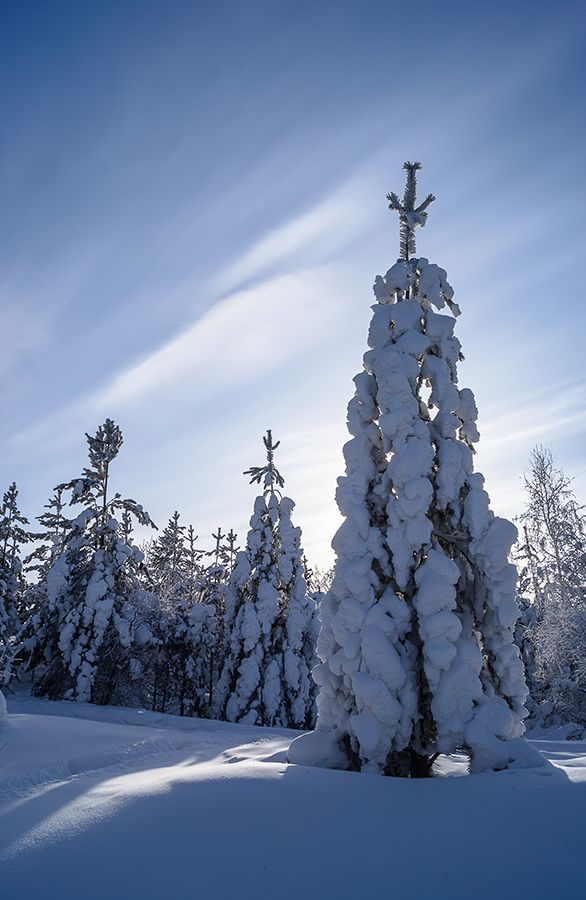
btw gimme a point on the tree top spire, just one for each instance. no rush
(269, 475)
(409, 215)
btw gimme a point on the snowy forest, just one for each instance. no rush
(90, 613)
(153, 677)
(420, 631)
(293, 481)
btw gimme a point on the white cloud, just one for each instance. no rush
(308, 239)
(240, 337)
(246, 331)
(551, 416)
(561, 407)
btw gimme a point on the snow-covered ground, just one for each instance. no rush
(116, 803)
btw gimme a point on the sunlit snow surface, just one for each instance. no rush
(115, 803)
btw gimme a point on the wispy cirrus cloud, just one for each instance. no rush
(552, 416)
(560, 407)
(268, 296)
(240, 337)
(306, 240)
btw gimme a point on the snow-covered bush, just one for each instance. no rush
(417, 639)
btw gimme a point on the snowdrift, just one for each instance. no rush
(99, 802)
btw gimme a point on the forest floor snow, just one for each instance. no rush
(100, 802)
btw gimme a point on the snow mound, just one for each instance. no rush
(318, 748)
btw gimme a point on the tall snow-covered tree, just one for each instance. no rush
(269, 617)
(553, 553)
(417, 638)
(90, 585)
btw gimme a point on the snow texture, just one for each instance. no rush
(111, 802)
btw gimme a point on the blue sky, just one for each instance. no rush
(192, 211)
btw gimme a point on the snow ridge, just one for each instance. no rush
(88, 763)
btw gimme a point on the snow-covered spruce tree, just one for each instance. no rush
(199, 628)
(208, 618)
(56, 526)
(269, 617)
(90, 585)
(37, 619)
(13, 536)
(184, 624)
(166, 652)
(416, 642)
(553, 553)
(167, 558)
(193, 565)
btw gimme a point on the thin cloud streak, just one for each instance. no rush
(262, 314)
(562, 410)
(311, 237)
(551, 418)
(238, 339)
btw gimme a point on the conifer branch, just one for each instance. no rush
(409, 215)
(268, 474)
